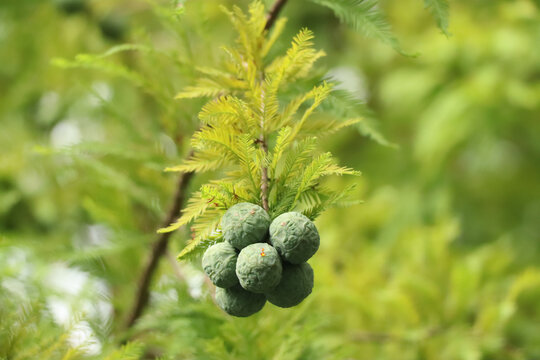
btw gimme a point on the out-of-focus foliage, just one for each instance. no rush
(439, 262)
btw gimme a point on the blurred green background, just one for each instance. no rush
(441, 261)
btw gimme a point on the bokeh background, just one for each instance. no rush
(441, 261)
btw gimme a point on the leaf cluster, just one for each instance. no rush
(263, 144)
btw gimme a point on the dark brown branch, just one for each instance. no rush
(274, 13)
(158, 250)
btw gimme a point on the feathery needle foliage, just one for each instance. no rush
(439, 10)
(366, 17)
(248, 127)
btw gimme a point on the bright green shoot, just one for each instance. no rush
(265, 148)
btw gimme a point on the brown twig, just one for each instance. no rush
(270, 20)
(264, 146)
(158, 250)
(264, 175)
(274, 13)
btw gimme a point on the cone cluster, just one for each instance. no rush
(261, 260)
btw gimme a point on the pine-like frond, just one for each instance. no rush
(262, 97)
(204, 88)
(329, 199)
(297, 62)
(324, 126)
(270, 106)
(319, 94)
(130, 351)
(296, 159)
(341, 104)
(196, 206)
(222, 109)
(366, 17)
(439, 10)
(302, 175)
(201, 161)
(247, 156)
(232, 147)
(334, 169)
(246, 71)
(209, 234)
(99, 62)
(282, 194)
(250, 29)
(322, 165)
(216, 196)
(223, 78)
(225, 193)
(369, 128)
(230, 111)
(204, 212)
(311, 174)
(283, 141)
(290, 111)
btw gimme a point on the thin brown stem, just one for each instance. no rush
(264, 146)
(270, 20)
(264, 174)
(158, 250)
(274, 13)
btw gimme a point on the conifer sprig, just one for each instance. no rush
(366, 17)
(263, 147)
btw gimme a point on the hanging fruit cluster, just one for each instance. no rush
(261, 260)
